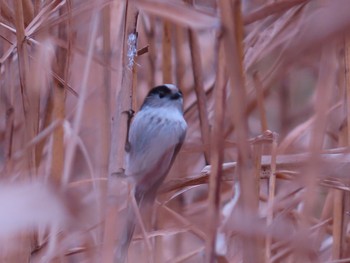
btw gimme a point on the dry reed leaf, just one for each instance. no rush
(270, 9)
(261, 43)
(187, 256)
(313, 28)
(179, 13)
(6, 12)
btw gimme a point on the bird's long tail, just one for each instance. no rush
(144, 201)
(126, 236)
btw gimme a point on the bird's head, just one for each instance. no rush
(167, 95)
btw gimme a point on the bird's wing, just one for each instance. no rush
(153, 147)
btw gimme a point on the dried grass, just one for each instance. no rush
(263, 174)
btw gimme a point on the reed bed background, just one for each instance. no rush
(263, 175)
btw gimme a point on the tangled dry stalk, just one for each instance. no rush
(263, 174)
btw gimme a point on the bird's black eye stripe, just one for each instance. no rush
(161, 91)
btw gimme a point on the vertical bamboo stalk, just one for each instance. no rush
(272, 179)
(344, 249)
(200, 92)
(260, 100)
(217, 148)
(104, 132)
(232, 28)
(58, 101)
(284, 95)
(58, 112)
(338, 207)
(272, 190)
(257, 153)
(24, 241)
(28, 11)
(152, 51)
(337, 224)
(347, 85)
(167, 55)
(322, 102)
(9, 137)
(118, 135)
(124, 100)
(180, 68)
(323, 97)
(180, 57)
(23, 60)
(167, 78)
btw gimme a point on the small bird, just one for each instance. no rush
(155, 138)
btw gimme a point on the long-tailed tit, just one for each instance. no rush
(155, 137)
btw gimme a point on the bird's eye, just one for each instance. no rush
(161, 94)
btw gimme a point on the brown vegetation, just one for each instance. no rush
(263, 173)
